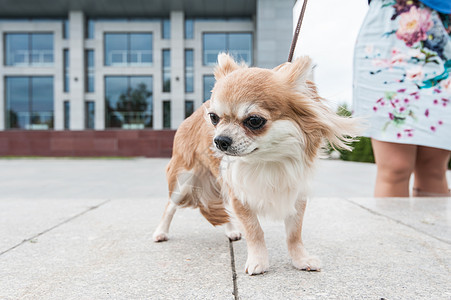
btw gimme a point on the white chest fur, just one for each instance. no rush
(271, 188)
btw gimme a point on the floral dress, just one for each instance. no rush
(402, 81)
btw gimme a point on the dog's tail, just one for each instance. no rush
(340, 131)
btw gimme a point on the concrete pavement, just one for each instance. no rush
(82, 229)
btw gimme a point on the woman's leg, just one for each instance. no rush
(395, 164)
(430, 172)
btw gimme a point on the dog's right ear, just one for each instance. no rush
(226, 65)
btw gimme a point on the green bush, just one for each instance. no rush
(362, 151)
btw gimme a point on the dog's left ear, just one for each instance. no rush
(226, 65)
(317, 120)
(295, 73)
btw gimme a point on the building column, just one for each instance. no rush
(274, 32)
(77, 69)
(177, 69)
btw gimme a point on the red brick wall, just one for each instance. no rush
(148, 143)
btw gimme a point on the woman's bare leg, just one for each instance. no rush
(430, 172)
(395, 164)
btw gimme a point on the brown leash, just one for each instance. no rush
(296, 32)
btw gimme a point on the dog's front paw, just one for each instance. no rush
(307, 263)
(160, 236)
(257, 265)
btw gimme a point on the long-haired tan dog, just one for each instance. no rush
(252, 148)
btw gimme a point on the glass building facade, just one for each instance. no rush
(84, 71)
(28, 49)
(122, 49)
(239, 45)
(29, 102)
(128, 102)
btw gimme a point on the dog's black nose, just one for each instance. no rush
(223, 142)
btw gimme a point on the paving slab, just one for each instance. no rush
(364, 256)
(23, 219)
(66, 178)
(108, 253)
(431, 216)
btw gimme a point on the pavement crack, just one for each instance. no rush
(54, 227)
(234, 276)
(397, 221)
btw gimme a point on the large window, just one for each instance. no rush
(239, 45)
(29, 102)
(123, 49)
(129, 102)
(209, 82)
(28, 49)
(91, 23)
(189, 71)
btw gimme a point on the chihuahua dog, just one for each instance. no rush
(249, 151)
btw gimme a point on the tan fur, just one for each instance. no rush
(282, 95)
(254, 236)
(300, 257)
(200, 160)
(215, 212)
(225, 66)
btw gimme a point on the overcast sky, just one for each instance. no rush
(328, 34)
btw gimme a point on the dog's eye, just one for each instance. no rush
(255, 122)
(214, 118)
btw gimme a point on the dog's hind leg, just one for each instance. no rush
(232, 232)
(161, 233)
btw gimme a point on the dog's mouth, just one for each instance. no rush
(228, 153)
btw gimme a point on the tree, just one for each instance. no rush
(133, 103)
(134, 100)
